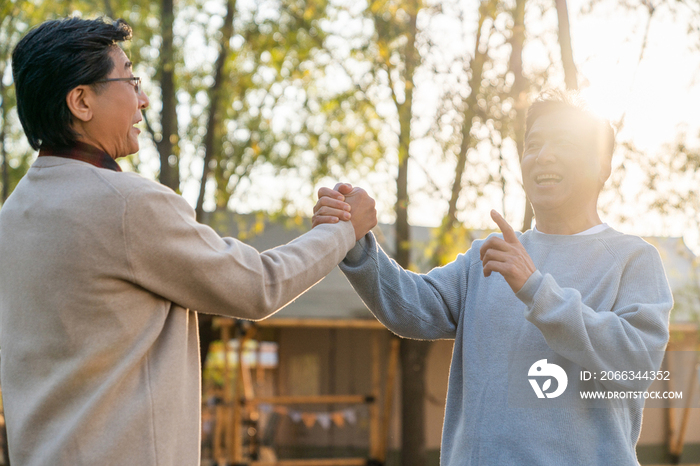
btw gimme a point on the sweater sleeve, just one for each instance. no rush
(172, 255)
(631, 336)
(419, 306)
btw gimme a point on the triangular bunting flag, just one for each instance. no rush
(309, 419)
(324, 419)
(338, 418)
(350, 416)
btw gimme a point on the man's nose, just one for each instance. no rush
(143, 100)
(547, 154)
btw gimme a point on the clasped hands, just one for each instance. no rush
(345, 203)
(506, 255)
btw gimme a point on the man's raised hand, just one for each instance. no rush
(506, 256)
(346, 203)
(331, 206)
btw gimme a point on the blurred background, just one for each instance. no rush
(257, 104)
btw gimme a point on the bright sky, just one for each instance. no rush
(656, 98)
(607, 47)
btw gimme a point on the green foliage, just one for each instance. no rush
(275, 112)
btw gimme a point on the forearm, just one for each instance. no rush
(630, 337)
(409, 304)
(173, 256)
(280, 275)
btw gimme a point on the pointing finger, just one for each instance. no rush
(506, 229)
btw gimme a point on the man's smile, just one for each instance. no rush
(548, 179)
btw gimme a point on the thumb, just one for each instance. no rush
(508, 233)
(343, 188)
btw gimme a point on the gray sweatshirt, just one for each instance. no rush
(599, 303)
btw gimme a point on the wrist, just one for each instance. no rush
(526, 293)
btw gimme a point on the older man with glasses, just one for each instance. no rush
(101, 271)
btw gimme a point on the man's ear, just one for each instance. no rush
(79, 101)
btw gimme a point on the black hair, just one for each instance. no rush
(552, 101)
(49, 62)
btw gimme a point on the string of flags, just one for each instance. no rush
(309, 419)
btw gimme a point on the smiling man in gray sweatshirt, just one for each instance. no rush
(571, 288)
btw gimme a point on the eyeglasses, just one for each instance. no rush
(135, 80)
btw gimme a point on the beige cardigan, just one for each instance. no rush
(99, 274)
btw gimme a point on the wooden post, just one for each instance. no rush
(671, 418)
(388, 398)
(246, 388)
(223, 424)
(243, 369)
(678, 450)
(236, 442)
(220, 434)
(259, 371)
(684, 337)
(375, 421)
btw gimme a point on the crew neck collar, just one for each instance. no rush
(85, 153)
(591, 231)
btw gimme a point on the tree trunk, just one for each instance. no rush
(3, 130)
(206, 331)
(519, 93)
(108, 9)
(487, 10)
(567, 54)
(214, 103)
(168, 144)
(413, 352)
(403, 231)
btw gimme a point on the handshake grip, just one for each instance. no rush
(345, 203)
